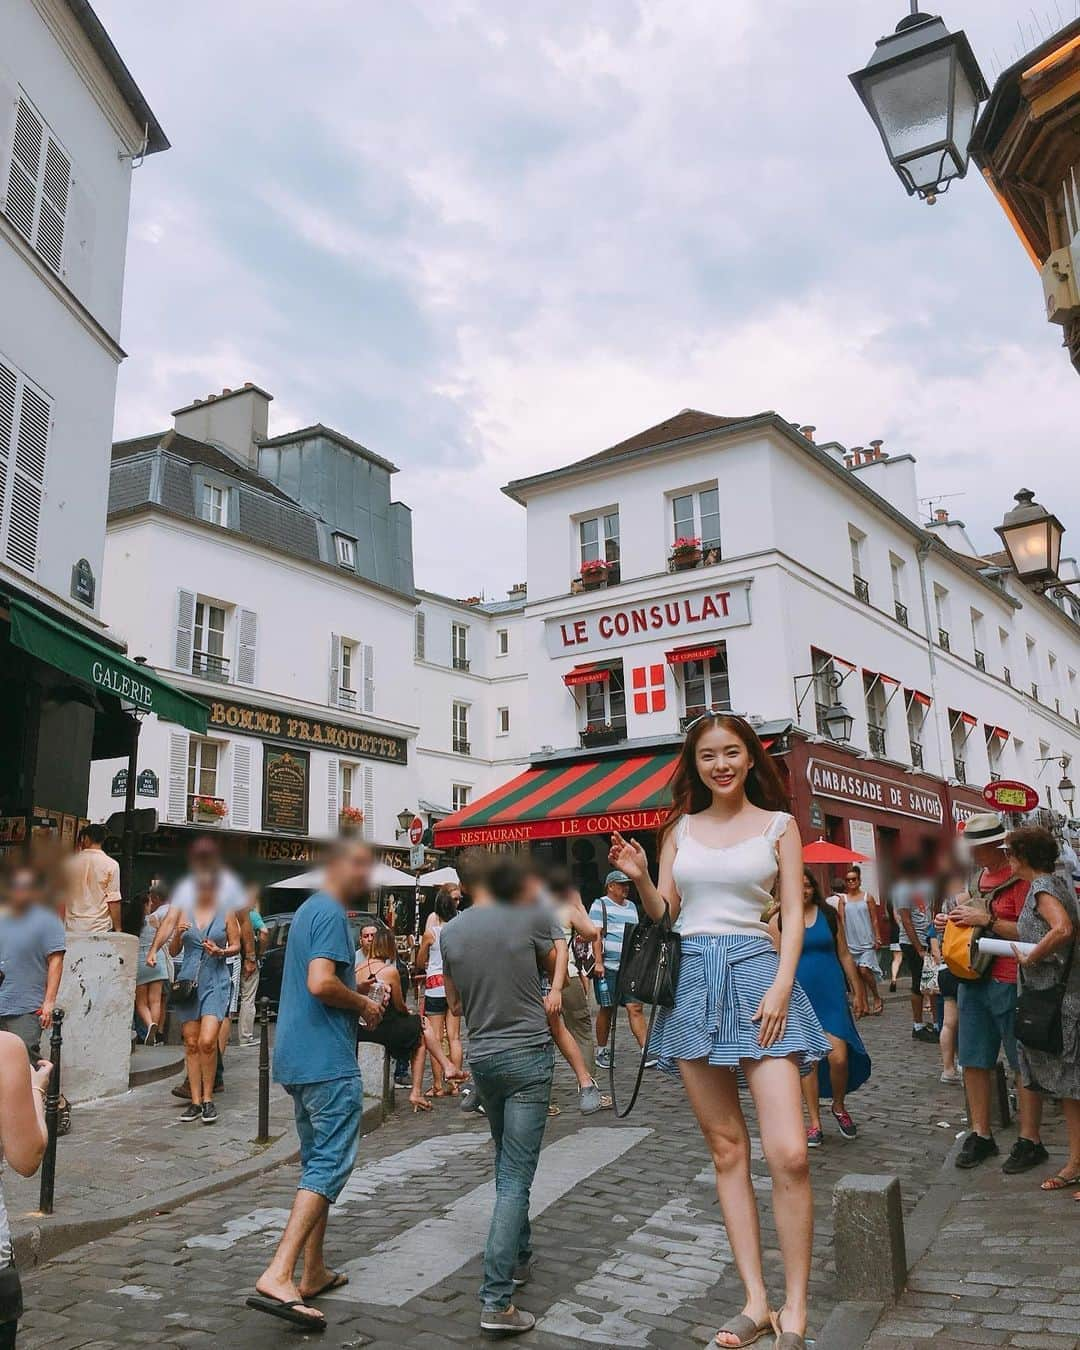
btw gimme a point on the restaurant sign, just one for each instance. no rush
(271, 725)
(866, 789)
(572, 827)
(688, 614)
(285, 790)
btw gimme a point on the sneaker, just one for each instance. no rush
(927, 1034)
(209, 1113)
(406, 1082)
(603, 1057)
(248, 1041)
(190, 1114)
(470, 1098)
(589, 1099)
(523, 1272)
(651, 1062)
(846, 1125)
(974, 1150)
(815, 1138)
(1024, 1155)
(508, 1321)
(182, 1090)
(950, 1076)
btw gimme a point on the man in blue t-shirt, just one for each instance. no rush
(315, 1061)
(32, 945)
(613, 914)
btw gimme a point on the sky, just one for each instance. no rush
(488, 237)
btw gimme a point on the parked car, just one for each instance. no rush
(273, 962)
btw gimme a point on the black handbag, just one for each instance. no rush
(648, 973)
(1038, 1013)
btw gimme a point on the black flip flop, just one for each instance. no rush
(337, 1280)
(286, 1310)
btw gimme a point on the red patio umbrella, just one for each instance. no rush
(821, 851)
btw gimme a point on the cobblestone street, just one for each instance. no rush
(629, 1242)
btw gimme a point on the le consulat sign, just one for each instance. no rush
(313, 733)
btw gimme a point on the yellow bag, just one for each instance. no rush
(961, 954)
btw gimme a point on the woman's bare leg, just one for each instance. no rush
(436, 1027)
(569, 1049)
(867, 977)
(190, 1033)
(812, 1098)
(447, 1068)
(456, 1051)
(156, 999)
(209, 1029)
(838, 1072)
(142, 1005)
(947, 1041)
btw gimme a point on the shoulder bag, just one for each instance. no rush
(182, 991)
(648, 973)
(1038, 1011)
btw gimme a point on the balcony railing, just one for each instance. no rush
(876, 737)
(1035, 691)
(610, 575)
(607, 733)
(461, 747)
(861, 589)
(943, 640)
(901, 613)
(210, 667)
(916, 755)
(1006, 675)
(980, 660)
(460, 663)
(995, 777)
(346, 698)
(960, 770)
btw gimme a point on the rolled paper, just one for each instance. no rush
(1000, 947)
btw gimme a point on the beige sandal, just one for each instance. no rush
(786, 1340)
(747, 1330)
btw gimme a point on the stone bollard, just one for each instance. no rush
(868, 1236)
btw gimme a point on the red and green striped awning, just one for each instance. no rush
(566, 801)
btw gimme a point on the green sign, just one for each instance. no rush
(285, 790)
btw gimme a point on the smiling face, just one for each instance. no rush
(723, 763)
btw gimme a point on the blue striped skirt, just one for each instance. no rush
(722, 980)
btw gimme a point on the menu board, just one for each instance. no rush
(285, 790)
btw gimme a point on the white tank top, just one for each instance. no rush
(726, 889)
(434, 956)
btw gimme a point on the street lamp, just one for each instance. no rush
(922, 88)
(1032, 538)
(1067, 792)
(838, 722)
(404, 819)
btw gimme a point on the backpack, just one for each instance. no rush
(959, 946)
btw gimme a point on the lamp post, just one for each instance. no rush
(922, 87)
(838, 722)
(1032, 538)
(404, 820)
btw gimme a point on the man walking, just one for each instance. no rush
(32, 948)
(249, 974)
(493, 955)
(315, 1061)
(92, 886)
(912, 901)
(613, 914)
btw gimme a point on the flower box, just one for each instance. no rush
(602, 733)
(209, 810)
(594, 575)
(685, 554)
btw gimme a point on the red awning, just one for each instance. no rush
(917, 697)
(590, 674)
(880, 675)
(968, 720)
(839, 661)
(999, 732)
(681, 655)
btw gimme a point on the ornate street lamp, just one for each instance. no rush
(923, 87)
(1067, 792)
(1032, 538)
(404, 819)
(838, 722)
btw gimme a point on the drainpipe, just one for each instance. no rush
(921, 554)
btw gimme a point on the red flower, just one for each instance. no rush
(593, 568)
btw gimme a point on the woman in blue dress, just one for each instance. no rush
(826, 971)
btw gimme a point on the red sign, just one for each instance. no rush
(586, 675)
(416, 831)
(681, 655)
(649, 692)
(570, 828)
(1008, 795)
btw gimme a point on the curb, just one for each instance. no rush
(42, 1238)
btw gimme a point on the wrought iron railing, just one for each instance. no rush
(210, 667)
(901, 613)
(916, 755)
(862, 589)
(876, 737)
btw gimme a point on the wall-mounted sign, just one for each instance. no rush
(866, 789)
(83, 583)
(691, 615)
(1009, 795)
(13, 829)
(146, 784)
(285, 790)
(270, 725)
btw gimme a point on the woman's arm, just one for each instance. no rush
(22, 1106)
(628, 856)
(581, 923)
(1061, 932)
(422, 954)
(163, 933)
(391, 977)
(847, 963)
(773, 1009)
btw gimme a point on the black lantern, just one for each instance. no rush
(923, 88)
(404, 819)
(1067, 791)
(838, 722)
(1032, 539)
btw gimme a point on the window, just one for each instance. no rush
(419, 636)
(605, 707)
(994, 746)
(877, 712)
(351, 789)
(696, 515)
(459, 795)
(896, 571)
(208, 654)
(347, 690)
(459, 646)
(1006, 662)
(25, 415)
(961, 725)
(859, 583)
(916, 720)
(826, 687)
(346, 551)
(502, 721)
(705, 684)
(39, 177)
(977, 646)
(502, 642)
(204, 761)
(459, 728)
(1033, 667)
(213, 504)
(598, 542)
(941, 610)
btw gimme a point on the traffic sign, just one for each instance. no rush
(416, 831)
(1008, 795)
(416, 855)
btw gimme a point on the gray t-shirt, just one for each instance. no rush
(916, 897)
(26, 943)
(490, 952)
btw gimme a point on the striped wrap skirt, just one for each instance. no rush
(722, 980)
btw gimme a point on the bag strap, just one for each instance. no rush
(621, 1115)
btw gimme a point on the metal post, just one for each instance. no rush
(1002, 1082)
(263, 1136)
(131, 922)
(52, 1106)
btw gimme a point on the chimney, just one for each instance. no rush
(808, 432)
(941, 515)
(517, 591)
(857, 454)
(235, 421)
(875, 446)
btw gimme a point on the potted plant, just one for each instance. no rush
(209, 809)
(594, 574)
(599, 733)
(350, 819)
(685, 553)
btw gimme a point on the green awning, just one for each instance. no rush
(73, 652)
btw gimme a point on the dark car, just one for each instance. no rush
(273, 962)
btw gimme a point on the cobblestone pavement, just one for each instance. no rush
(630, 1248)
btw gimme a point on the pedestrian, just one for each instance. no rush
(912, 901)
(249, 971)
(92, 885)
(987, 1006)
(444, 1023)
(149, 980)
(32, 946)
(825, 973)
(581, 935)
(1051, 922)
(739, 1015)
(493, 956)
(315, 1061)
(865, 933)
(23, 1138)
(951, 887)
(613, 914)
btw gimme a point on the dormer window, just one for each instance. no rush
(346, 551)
(213, 504)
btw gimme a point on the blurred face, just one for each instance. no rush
(532, 890)
(723, 763)
(24, 891)
(350, 874)
(619, 891)
(1019, 867)
(852, 882)
(367, 939)
(204, 860)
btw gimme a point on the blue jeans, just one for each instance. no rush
(328, 1123)
(515, 1089)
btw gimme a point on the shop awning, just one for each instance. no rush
(681, 655)
(915, 696)
(997, 733)
(966, 718)
(73, 652)
(880, 675)
(590, 674)
(566, 801)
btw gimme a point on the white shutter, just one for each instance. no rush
(29, 440)
(20, 202)
(333, 822)
(52, 209)
(369, 803)
(247, 631)
(9, 388)
(335, 669)
(185, 625)
(369, 677)
(176, 800)
(421, 635)
(240, 806)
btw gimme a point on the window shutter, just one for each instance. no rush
(335, 668)
(247, 631)
(52, 210)
(176, 802)
(26, 468)
(9, 387)
(22, 184)
(333, 824)
(185, 625)
(421, 621)
(240, 806)
(369, 678)
(369, 803)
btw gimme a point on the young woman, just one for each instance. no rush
(443, 1022)
(825, 972)
(22, 1146)
(952, 887)
(403, 1033)
(150, 981)
(739, 1014)
(865, 933)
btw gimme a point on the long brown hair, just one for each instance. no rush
(689, 794)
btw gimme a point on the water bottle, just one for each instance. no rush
(605, 995)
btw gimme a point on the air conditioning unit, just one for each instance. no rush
(1059, 287)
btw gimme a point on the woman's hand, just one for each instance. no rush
(151, 959)
(858, 1002)
(627, 855)
(39, 1076)
(772, 1014)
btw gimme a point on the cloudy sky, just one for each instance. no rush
(486, 237)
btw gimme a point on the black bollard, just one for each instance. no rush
(264, 1072)
(1002, 1086)
(52, 1107)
